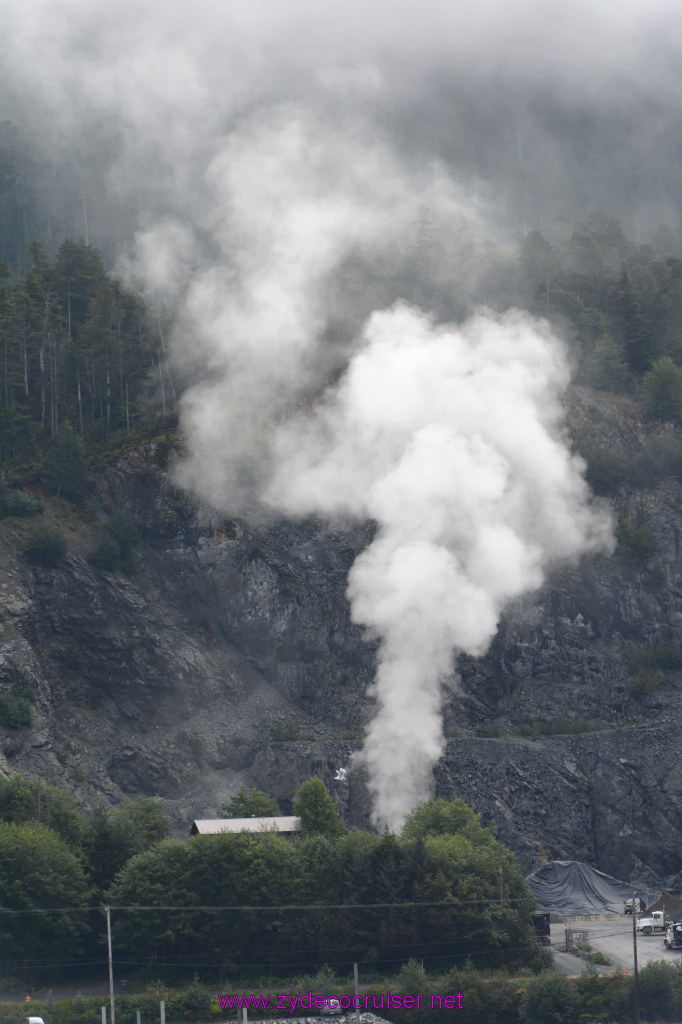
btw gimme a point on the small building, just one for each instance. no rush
(214, 826)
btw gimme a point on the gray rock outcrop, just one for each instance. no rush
(230, 658)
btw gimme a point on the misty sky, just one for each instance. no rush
(171, 77)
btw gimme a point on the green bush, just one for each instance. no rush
(16, 710)
(492, 731)
(45, 546)
(197, 1000)
(17, 504)
(106, 555)
(549, 999)
(660, 990)
(663, 389)
(116, 549)
(635, 542)
(605, 472)
(647, 665)
(250, 803)
(595, 957)
(412, 977)
(660, 457)
(662, 656)
(325, 980)
(643, 682)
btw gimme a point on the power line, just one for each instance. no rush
(266, 968)
(454, 904)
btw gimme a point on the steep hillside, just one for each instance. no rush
(229, 658)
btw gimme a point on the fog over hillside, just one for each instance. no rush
(282, 176)
(550, 110)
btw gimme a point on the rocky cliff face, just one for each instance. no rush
(229, 658)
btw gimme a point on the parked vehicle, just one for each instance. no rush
(655, 923)
(673, 935)
(541, 925)
(627, 906)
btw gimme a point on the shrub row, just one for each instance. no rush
(463, 996)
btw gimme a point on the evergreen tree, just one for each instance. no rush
(609, 370)
(663, 389)
(251, 803)
(316, 809)
(628, 323)
(65, 467)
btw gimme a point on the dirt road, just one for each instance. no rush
(611, 934)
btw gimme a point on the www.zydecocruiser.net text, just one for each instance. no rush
(386, 1001)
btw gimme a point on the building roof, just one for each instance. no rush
(213, 826)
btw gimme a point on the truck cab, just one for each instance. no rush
(673, 935)
(654, 923)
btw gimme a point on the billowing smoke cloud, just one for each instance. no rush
(267, 146)
(450, 439)
(291, 198)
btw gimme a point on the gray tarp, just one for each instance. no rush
(571, 888)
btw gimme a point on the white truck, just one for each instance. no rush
(654, 923)
(673, 935)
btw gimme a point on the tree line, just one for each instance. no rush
(76, 349)
(79, 351)
(247, 904)
(623, 302)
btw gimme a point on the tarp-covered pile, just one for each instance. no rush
(571, 888)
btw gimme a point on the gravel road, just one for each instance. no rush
(610, 934)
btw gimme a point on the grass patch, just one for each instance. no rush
(556, 727)
(489, 732)
(647, 665)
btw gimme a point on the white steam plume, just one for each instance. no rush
(289, 198)
(450, 439)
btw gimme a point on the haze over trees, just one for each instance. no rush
(76, 352)
(82, 359)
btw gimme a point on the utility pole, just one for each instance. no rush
(357, 991)
(111, 967)
(634, 947)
